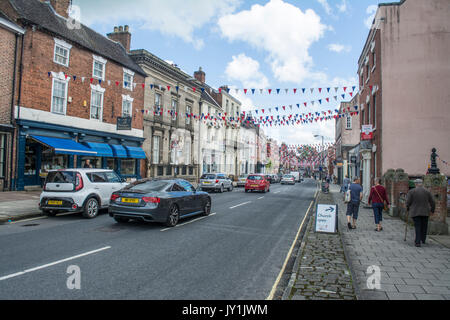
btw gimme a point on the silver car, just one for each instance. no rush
(215, 181)
(288, 179)
(242, 180)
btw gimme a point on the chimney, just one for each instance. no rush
(200, 75)
(121, 34)
(61, 7)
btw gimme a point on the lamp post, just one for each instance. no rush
(322, 164)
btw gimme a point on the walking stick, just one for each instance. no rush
(406, 224)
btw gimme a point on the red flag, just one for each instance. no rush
(117, 83)
(168, 88)
(270, 90)
(194, 88)
(295, 90)
(345, 88)
(245, 91)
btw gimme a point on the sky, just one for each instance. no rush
(271, 44)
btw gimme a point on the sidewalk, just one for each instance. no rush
(407, 272)
(18, 205)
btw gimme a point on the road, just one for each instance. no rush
(235, 253)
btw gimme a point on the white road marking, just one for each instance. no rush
(52, 263)
(277, 192)
(182, 224)
(240, 205)
(260, 197)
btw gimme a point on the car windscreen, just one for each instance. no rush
(208, 176)
(255, 178)
(288, 176)
(243, 176)
(60, 177)
(148, 186)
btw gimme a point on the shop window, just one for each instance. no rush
(168, 171)
(91, 162)
(30, 160)
(2, 155)
(111, 164)
(128, 167)
(160, 170)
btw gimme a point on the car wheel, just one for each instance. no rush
(121, 219)
(207, 208)
(91, 208)
(231, 188)
(173, 217)
(221, 189)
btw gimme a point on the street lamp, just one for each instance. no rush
(322, 160)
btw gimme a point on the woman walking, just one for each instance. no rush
(377, 198)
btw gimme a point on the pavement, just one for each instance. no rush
(236, 253)
(19, 205)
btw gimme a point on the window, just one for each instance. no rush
(374, 62)
(188, 117)
(186, 185)
(98, 68)
(158, 100)
(59, 96)
(128, 166)
(363, 119)
(97, 102)
(2, 155)
(127, 106)
(62, 52)
(96, 177)
(348, 123)
(374, 111)
(368, 114)
(112, 177)
(156, 150)
(128, 76)
(174, 109)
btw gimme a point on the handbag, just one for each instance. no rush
(385, 207)
(347, 197)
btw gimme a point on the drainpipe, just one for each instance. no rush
(12, 113)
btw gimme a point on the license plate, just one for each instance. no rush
(206, 182)
(55, 202)
(255, 185)
(130, 200)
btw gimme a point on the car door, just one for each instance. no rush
(114, 181)
(101, 187)
(192, 200)
(181, 198)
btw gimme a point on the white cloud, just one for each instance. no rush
(282, 30)
(336, 47)
(343, 6)
(246, 70)
(371, 11)
(170, 17)
(325, 6)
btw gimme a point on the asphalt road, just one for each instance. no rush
(235, 253)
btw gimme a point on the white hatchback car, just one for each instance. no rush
(79, 190)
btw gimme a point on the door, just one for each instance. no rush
(114, 181)
(182, 198)
(101, 186)
(193, 200)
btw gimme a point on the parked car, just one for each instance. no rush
(275, 178)
(242, 180)
(79, 190)
(296, 175)
(164, 201)
(288, 179)
(257, 182)
(269, 178)
(215, 181)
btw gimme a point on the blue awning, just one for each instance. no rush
(118, 151)
(65, 146)
(135, 152)
(103, 149)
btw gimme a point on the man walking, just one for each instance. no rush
(353, 206)
(419, 203)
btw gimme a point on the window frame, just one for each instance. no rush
(131, 74)
(3, 146)
(64, 45)
(129, 100)
(154, 150)
(188, 111)
(101, 91)
(103, 62)
(60, 78)
(348, 119)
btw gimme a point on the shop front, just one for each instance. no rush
(44, 147)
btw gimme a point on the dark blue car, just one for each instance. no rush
(165, 201)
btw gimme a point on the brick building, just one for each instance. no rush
(11, 40)
(75, 83)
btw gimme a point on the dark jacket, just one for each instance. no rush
(420, 202)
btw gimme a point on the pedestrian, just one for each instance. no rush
(345, 184)
(419, 203)
(353, 206)
(87, 164)
(377, 198)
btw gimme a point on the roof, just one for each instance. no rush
(207, 97)
(43, 15)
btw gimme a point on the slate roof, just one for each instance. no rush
(41, 14)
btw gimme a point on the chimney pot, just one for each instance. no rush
(126, 28)
(120, 28)
(116, 29)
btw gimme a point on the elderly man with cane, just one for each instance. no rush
(419, 203)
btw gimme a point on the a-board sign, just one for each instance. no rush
(326, 218)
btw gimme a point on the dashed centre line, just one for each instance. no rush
(244, 203)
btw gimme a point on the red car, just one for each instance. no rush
(257, 182)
